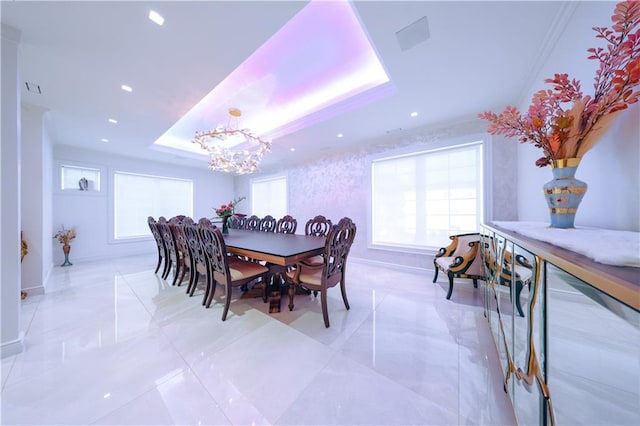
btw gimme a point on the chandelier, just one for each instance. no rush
(226, 159)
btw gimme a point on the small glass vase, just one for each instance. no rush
(564, 192)
(225, 225)
(66, 249)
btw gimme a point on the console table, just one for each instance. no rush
(574, 358)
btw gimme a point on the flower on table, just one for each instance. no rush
(65, 236)
(563, 122)
(228, 209)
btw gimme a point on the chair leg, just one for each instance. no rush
(167, 268)
(176, 273)
(158, 265)
(192, 276)
(343, 289)
(325, 313)
(450, 285)
(206, 291)
(212, 292)
(182, 274)
(194, 284)
(475, 283)
(435, 276)
(227, 302)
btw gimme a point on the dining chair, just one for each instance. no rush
(224, 269)
(331, 272)
(162, 250)
(184, 255)
(237, 222)
(172, 260)
(252, 223)
(319, 226)
(460, 259)
(198, 259)
(203, 221)
(268, 224)
(287, 225)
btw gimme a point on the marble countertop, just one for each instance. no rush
(607, 246)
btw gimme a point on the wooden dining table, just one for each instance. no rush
(274, 248)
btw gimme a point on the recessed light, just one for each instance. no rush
(104, 140)
(111, 120)
(340, 135)
(292, 149)
(126, 88)
(156, 17)
(414, 114)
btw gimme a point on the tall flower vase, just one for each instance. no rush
(564, 192)
(66, 249)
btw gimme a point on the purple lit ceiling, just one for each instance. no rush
(321, 63)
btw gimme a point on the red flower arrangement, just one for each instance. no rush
(563, 122)
(228, 209)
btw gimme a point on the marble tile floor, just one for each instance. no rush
(111, 343)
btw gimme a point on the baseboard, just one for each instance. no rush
(34, 291)
(13, 347)
(389, 265)
(110, 256)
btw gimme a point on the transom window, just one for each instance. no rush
(419, 199)
(79, 178)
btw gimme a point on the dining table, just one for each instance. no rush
(278, 250)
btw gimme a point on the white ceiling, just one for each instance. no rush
(480, 55)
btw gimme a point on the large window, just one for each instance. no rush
(419, 199)
(269, 196)
(136, 197)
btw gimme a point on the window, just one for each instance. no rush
(269, 196)
(136, 197)
(419, 199)
(71, 177)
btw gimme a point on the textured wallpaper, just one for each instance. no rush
(338, 186)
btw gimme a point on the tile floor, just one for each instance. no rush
(112, 343)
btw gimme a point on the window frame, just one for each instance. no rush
(439, 145)
(267, 178)
(79, 165)
(112, 205)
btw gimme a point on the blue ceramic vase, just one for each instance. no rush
(564, 192)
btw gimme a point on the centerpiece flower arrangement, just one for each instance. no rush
(227, 210)
(562, 121)
(65, 236)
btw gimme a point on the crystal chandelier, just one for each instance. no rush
(225, 159)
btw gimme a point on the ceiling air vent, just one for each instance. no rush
(413, 34)
(33, 88)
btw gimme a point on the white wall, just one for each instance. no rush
(36, 194)
(612, 168)
(91, 213)
(11, 338)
